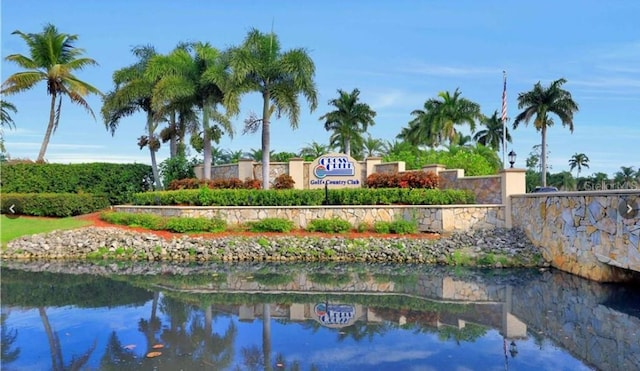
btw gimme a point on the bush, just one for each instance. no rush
(395, 227)
(271, 225)
(176, 168)
(231, 183)
(118, 182)
(333, 225)
(407, 179)
(184, 225)
(144, 220)
(382, 227)
(283, 181)
(52, 204)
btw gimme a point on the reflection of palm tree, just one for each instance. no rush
(57, 362)
(211, 348)
(7, 338)
(117, 357)
(266, 335)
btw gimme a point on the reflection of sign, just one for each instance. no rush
(334, 166)
(335, 170)
(334, 315)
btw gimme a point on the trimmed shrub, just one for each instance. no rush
(333, 225)
(382, 227)
(118, 182)
(231, 183)
(144, 220)
(407, 179)
(271, 225)
(403, 227)
(184, 225)
(52, 204)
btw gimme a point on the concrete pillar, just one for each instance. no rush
(245, 169)
(296, 171)
(512, 182)
(370, 164)
(199, 171)
(436, 168)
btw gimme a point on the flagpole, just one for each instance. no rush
(504, 119)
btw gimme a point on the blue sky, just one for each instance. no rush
(397, 53)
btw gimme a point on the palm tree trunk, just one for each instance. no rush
(154, 163)
(206, 148)
(47, 135)
(543, 157)
(266, 140)
(54, 341)
(266, 335)
(173, 143)
(347, 146)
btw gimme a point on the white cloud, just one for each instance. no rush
(430, 69)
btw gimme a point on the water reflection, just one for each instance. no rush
(63, 316)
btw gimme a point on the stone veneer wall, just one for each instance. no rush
(581, 232)
(430, 218)
(486, 188)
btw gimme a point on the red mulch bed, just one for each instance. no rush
(97, 222)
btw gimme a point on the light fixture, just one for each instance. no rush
(512, 158)
(512, 347)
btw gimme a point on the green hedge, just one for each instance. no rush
(346, 196)
(118, 182)
(52, 204)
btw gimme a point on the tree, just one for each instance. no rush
(259, 65)
(52, 58)
(373, 147)
(578, 160)
(437, 121)
(313, 150)
(540, 102)
(133, 93)
(5, 120)
(349, 120)
(625, 176)
(492, 135)
(197, 74)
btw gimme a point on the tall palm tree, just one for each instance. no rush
(492, 135)
(133, 93)
(453, 110)
(625, 175)
(349, 120)
(578, 160)
(437, 121)
(52, 58)
(540, 102)
(260, 66)
(197, 73)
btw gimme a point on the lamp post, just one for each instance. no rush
(512, 158)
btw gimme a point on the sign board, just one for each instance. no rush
(334, 315)
(335, 170)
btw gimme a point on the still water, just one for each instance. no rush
(61, 316)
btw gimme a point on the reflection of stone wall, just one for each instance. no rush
(581, 232)
(429, 218)
(571, 311)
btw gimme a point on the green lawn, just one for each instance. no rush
(14, 228)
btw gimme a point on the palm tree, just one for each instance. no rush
(133, 93)
(314, 150)
(349, 120)
(6, 120)
(625, 175)
(201, 79)
(492, 135)
(437, 121)
(280, 77)
(373, 147)
(453, 110)
(540, 102)
(578, 160)
(53, 58)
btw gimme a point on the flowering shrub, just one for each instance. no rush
(407, 179)
(231, 183)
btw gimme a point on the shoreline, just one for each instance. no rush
(496, 248)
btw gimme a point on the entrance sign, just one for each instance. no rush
(335, 170)
(334, 315)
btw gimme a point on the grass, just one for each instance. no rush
(13, 228)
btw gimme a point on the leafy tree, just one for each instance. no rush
(231, 157)
(492, 135)
(133, 93)
(176, 168)
(540, 102)
(578, 160)
(625, 176)
(52, 58)
(260, 66)
(283, 156)
(373, 147)
(199, 75)
(349, 120)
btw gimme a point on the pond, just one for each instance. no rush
(132, 316)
